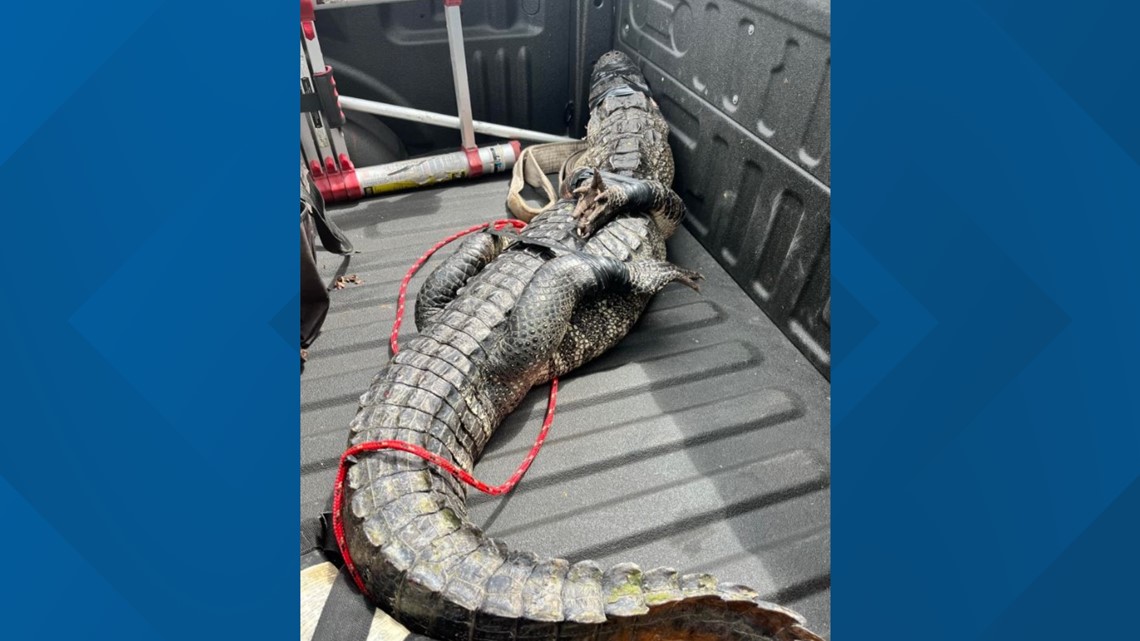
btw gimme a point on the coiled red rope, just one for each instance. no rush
(434, 459)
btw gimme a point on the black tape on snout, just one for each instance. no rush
(623, 87)
(617, 75)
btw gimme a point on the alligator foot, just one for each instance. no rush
(601, 198)
(597, 204)
(652, 276)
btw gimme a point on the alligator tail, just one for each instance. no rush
(421, 560)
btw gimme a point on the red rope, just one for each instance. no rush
(434, 459)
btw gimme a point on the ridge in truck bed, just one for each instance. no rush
(700, 442)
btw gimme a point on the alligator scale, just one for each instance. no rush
(502, 314)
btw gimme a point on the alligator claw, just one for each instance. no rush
(652, 276)
(596, 204)
(583, 192)
(690, 278)
(599, 209)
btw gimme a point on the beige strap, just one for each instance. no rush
(316, 584)
(531, 168)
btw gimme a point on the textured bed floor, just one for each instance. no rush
(701, 442)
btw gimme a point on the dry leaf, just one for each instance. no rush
(344, 281)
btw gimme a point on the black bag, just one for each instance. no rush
(314, 222)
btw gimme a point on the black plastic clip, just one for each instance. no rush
(325, 85)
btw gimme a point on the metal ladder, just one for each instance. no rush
(323, 147)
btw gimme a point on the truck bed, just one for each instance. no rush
(700, 442)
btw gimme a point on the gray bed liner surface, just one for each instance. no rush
(701, 442)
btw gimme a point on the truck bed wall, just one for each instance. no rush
(744, 85)
(746, 90)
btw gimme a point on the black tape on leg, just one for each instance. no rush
(609, 274)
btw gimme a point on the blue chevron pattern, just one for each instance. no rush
(986, 449)
(150, 433)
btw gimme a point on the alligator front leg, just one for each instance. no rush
(602, 196)
(542, 316)
(445, 281)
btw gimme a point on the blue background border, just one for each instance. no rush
(985, 220)
(148, 469)
(984, 228)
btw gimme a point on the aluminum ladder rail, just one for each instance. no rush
(322, 141)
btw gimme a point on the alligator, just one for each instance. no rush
(504, 313)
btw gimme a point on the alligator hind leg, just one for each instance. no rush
(445, 281)
(542, 316)
(602, 196)
(596, 327)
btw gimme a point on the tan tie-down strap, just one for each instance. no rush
(531, 168)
